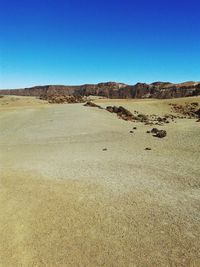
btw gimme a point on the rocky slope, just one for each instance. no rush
(113, 90)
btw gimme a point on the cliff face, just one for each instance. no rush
(113, 90)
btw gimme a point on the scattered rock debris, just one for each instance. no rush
(188, 111)
(62, 99)
(121, 112)
(125, 114)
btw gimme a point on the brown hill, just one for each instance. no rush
(112, 90)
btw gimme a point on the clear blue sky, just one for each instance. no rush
(88, 41)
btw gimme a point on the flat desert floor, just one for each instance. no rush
(66, 201)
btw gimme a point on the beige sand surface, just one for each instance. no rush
(66, 202)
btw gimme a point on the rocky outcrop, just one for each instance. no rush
(190, 110)
(112, 90)
(93, 105)
(121, 112)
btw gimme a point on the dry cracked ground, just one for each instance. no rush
(78, 189)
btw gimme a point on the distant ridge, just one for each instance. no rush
(113, 90)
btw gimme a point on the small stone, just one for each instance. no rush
(105, 149)
(161, 134)
(155, 130)
(147, 148)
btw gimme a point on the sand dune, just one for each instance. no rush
(66, 202)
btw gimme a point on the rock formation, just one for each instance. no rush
(112, 90)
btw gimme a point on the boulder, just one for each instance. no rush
(154, 130)
(161, 134)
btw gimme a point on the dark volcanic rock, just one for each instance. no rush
(154, 130)
(91, 104)
(158, 133)
(161, 134)
(124, 111)
(121, 112)
(110, 109)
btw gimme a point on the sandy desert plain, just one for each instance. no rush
(78, 189)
